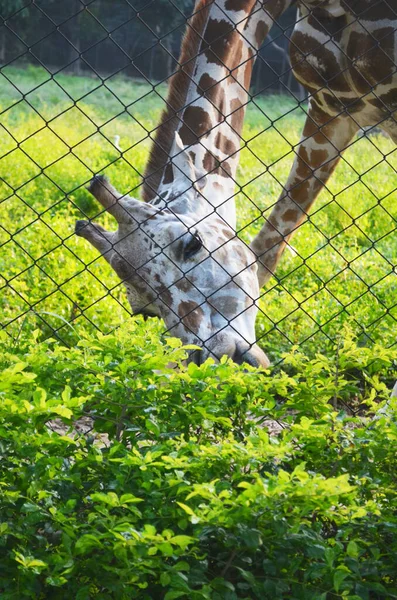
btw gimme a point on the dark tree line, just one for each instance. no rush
(140, 38)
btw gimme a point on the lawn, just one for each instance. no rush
(123, 478)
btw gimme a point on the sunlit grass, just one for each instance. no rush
(56, 132)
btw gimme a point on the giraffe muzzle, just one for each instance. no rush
(250, 355)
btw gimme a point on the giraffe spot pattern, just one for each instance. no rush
(237, 111)
(208, 87)
(315, 65)
(217, 37)
(196, 123)
(214, 165)
(191, 315)
(236, 5)
(224, 144)
(184, 285)
(291, 214)
(373, 58)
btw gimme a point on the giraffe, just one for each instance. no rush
(344, 52)
(177, 253)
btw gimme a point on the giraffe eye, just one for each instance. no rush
(193, 246)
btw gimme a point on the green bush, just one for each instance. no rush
(182, 487)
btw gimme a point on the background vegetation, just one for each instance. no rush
(138, 38)
(205, 482)
(58, 131)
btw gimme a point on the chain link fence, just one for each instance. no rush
(82, 94)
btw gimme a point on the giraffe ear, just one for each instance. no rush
(183, 162)
(201, 182)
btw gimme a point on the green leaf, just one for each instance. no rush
(339, 576)
(181, 540)
(111, 499)
(86, 543)
(174, 594)
(165, 548)
(56, 581)
(165, 579)
(251, 538)
(31, 564)
(130, 499)
(352, 549)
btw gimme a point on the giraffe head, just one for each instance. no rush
(187, 267)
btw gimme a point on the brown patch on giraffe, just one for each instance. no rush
(238, 53)
(236, 5)
(260, 32)
(312, 130)
(370, 11)
(300, 192)
(270, 242)
(214, 165)
(184, 285)
(217, 185)
(208, 87)
(303, 170)
(179, 85)
(210, 163)
(270, 226)
(292, 214)
(306, 167)
(386, 102)
(343, 104)
(248, 70)
(303, 154)
(191, 315)
(228, 233)
(372, 57)
(165, 295)
(223, 143)
(196, 123)
(321, 21)
(327, 71)
(318, 158)
(221, 106)
(225, 169)
(224, 305)
(242, 255)
(237, 112)
(217, 37)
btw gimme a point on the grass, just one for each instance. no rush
(57, 131)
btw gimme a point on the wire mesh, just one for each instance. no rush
(83, 90)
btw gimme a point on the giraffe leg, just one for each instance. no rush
(324, 139)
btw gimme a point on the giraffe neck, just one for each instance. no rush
(210, 111)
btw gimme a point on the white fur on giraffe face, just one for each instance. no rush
(194, 273)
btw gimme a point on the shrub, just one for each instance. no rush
(181, 489)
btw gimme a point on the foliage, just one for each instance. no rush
(179, 490)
